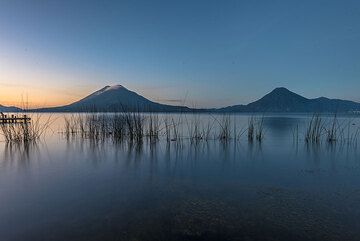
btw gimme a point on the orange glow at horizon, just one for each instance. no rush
(33, 98)
(34, 81)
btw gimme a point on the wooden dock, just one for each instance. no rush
(4, 119)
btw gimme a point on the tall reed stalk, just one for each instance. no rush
(260, 130)
(26, 131)
(251, 129)
(314, 129)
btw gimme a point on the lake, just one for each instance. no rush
(72, 187)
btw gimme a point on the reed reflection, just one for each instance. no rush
(20, 154)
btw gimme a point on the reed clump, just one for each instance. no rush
(333, 131)
(251, 129)
(71, 125)
(153, 130)
(225, 129)
(260, 129)
(255, 129)
(330, 131)
(194, 129)
(119, 126)
(314, 129)
(25, 131)
(167, 128)
(175, 128)
(136, 127)
(208, 130)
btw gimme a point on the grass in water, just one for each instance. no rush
(26, 131)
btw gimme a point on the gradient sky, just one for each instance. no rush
(211, 53)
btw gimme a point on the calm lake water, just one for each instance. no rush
(281, 188)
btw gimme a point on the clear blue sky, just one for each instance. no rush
(214, 53)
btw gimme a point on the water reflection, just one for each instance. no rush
(157, 189)
(281, 126)
(20, 154)
(135, 153)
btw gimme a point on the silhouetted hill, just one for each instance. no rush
(9, 109)
(116, 98)
(283, 100)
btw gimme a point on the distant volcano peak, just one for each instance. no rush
(118, 98)
(108, 88)
(113, 98)
(112, 87)
(281, 90)
(283, 100)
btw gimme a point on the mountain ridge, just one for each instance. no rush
(113, 99)
(283, 100)
(118, 98)
(9, 109)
